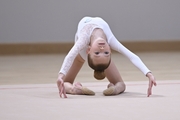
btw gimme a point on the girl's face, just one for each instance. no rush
(99, 51)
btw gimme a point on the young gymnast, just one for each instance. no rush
(94, 41)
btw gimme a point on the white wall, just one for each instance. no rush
(29, 21)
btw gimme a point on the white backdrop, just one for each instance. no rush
(32, 21)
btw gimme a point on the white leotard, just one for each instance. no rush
(82, 40)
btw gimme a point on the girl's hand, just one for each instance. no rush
(60, 84)
(152, 82)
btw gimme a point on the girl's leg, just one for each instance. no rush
(116, 85)
(77, 88)
(72, 73)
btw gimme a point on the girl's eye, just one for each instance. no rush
(96, 53)
(106, 52)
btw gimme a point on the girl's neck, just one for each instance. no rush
(97, 34)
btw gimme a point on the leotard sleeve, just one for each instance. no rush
(117, 46)
(82, 39)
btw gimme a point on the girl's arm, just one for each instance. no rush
(78, 46)
(117, 46)
(68, 61)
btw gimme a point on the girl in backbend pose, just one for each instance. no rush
(93, 42)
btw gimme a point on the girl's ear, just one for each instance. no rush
(88, 49)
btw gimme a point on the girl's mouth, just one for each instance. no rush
(101, 43)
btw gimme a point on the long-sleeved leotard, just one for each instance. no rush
(82, 40)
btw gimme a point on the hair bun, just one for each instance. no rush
(99, 75)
